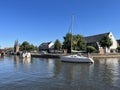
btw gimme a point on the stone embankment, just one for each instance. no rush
(93, 55)
(46, 55)
(110, 55)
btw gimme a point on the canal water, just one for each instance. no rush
(52, 74)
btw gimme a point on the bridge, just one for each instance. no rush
(2, 52)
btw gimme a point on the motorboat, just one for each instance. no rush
(76, 58)
(26, 55)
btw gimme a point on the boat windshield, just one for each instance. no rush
(79, 54)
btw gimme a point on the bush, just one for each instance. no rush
(118, 48)
(91, 49)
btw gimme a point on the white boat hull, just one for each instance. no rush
(76, 58)
(26, 55)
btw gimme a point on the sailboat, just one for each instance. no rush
(76, 57)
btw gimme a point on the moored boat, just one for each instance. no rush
(26, 55)
(76, 58)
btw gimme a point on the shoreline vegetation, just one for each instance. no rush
(93, 55)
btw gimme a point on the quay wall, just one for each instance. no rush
(110, 55)
(46, 55)
(93, 55)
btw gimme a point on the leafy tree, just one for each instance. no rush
(36, 48)
(11, 49)
(106, 42)
(118, 48)
(26, 46)
(57, 45)
(67, 42)
(118, 42)
(32, 47)
(91, 49)
(78, 43)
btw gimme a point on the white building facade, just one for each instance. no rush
(95, 39)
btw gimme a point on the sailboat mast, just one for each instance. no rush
(72, 32)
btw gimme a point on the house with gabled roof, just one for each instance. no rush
(95, 39)
(46, 46)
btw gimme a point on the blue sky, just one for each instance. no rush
(38, 21)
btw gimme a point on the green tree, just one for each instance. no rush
(67, 42)
(57, 45)
(118, 42)
(26, 46)
(32, 47)
(36, 48)
(91, 49)
(106, 42)
(11, 49)
(118, 48)
(78, 42)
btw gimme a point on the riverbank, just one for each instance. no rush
(93, 55)
(46, 55)
(110, 55)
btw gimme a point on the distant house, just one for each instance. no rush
(46, 46)
(95, 39)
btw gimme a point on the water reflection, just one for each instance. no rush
(18, 62)
(26, 60)
(109, 71)
(54, 66)
(16, 59)
(52, 74)
(51, 64)
(73, 72)
(105, 72)
(1, 57)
